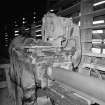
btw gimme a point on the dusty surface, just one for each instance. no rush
(5, 99)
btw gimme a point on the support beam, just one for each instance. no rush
(70, 10)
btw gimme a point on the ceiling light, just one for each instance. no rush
(38, 31)
(16, 31)
(51, 10)
(99, 3)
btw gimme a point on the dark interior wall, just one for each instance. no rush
(4, 53)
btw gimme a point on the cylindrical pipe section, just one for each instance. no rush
(91, 86)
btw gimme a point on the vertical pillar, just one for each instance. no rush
(86, 21)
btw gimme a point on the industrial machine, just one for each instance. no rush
(55, 61)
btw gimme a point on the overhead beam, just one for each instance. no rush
(60, 3)
(96, 1)
(70, 10)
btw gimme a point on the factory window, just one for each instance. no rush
(96, 50)
(38, 30)
(27, 29)
(98, 22)
(95, 22)
(98, 41)
(16, 34)
(98, 34)
(16, 31)
(38, 35)
(97, 31)
(99, 5)
(103, 51)
(38, 26)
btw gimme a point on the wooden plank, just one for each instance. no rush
(93, 54)
(93, 27)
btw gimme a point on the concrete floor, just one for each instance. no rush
(5, 99)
